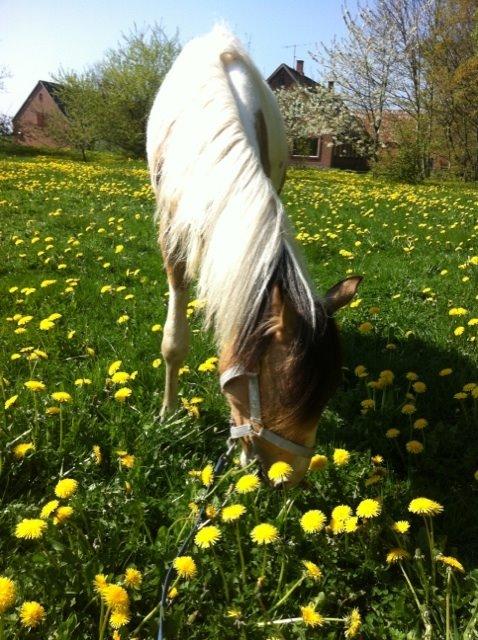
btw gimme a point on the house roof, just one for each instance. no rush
(52, 88)
(296, 77)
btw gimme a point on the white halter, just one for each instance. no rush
(248, 429)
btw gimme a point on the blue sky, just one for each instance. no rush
(36, 38)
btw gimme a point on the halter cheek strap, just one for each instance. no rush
(247, 429)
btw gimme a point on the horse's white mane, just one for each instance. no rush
(218, 210)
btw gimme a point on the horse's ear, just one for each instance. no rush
(341, 293)
(281, 320)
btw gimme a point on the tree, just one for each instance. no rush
(409, 22)
(78, 128)
(361, 65)
(452, 66)
(128, 80)
(309, 112)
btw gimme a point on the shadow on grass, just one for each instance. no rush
(445, 470)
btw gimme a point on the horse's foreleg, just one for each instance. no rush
(175, 342)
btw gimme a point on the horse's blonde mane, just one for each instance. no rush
(218, 211)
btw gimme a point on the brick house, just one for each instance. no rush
(320, 151)
(30, 121)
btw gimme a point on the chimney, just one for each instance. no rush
(330, 85)
(299, 67)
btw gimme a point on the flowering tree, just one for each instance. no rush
(309, 112)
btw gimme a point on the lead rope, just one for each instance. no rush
(218, 469)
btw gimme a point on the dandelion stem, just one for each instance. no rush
(241, 555)
(2, 633)
(431, 544)
(421, 609)
(447, 604)
(61, 428)
(289, 593)
(224, 583)
(103, 624)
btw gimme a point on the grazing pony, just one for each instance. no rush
(217, 156)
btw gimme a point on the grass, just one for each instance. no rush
(88, 227)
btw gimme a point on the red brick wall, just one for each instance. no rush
(30, 127)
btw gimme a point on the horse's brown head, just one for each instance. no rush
(299, 368)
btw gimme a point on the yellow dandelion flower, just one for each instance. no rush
(52, 411)
(368, 508)
(97, 455)
(353, 622)
(122, 394)
(452, 562)
(367, 405)
(207, 475)
(46, 325)
(264, 533)
(313, 521)
(211, 511)
(233, 512)
(341, 512)
(66, 488)
(365, 327)
(421, 423)
(120, 377)
(311, 617)
(61, 397)
(115, 596)
(247, 483)
(35, 385)
(386, 377)
(10, 402)
(312, 570)
(127, 460)
(30, 528)
(119, 618)
(114, 367)
(185, 566)
(133, 577)
(401, 526)
(392, 433)
(32, 614)
(62, 514)
(425, 507)
(49, 508)
(419, 387)
(173, 593)
(318, 462)
(445, 372)
(341, 457)
(156, 327)
(350, 525)
(279, 472)
(100, 582)
(156, 363)
(20, 450)
(414, 446)
(361, 371)
(397, 555)
(207, 536)
(8, 593)
(461, 395)
(378, 459)
(411, 376)
(408, 409)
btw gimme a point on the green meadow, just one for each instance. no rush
(380, 542)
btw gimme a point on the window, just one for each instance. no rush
(306, 147)
(40, 119)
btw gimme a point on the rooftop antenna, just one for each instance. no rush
(294, 46)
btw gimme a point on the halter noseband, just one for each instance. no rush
(248, 429)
